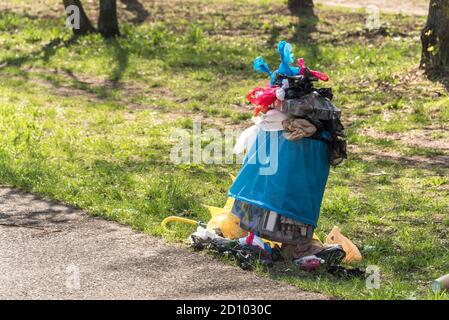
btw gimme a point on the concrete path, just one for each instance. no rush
(52, 251)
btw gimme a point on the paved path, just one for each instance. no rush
(45, 245)
(415, 7)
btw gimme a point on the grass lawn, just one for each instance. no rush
(90, 121)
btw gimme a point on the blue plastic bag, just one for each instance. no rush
(285, 52)
(285, 68)
(288, 177)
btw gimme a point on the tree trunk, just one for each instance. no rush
(108, 22)
(435, 38)
(300, 6)
(85, 26)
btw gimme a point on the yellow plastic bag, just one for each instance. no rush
(223, 220)
(352, 252)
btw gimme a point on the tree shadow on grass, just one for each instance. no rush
(134, 6)
(119, 54)
(304, 26)
(44, 53)
(302, 36)
(442, 78)
(436, 164)
(121, 57)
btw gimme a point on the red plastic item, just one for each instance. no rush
(317, 74)
(262, 98)
(310, 264)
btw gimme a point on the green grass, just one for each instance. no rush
(89, 122)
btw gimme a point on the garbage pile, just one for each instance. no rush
(252, 250)
(224, 237)
(274, 203)
(308, 111)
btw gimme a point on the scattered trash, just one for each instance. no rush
(332, 254)
(249, 250)
(245, 255)
(440, 284)
(352, 252)
(171, 219)
(307, 247)
(222, 221)
(309, 263)
(226, 222)
(253, 240)
(347, 273)
(203, 234)
(330, 257)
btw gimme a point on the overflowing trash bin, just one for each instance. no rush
(274, 202)
(297, 135)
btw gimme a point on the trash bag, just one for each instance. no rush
(332, 254)
(337, 150)
(312, 105)
(245, 255)
(224, 222)
(352, 252)
(227, 224)
(287, 177)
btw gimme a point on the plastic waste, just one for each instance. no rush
(312, 105)
(226, 222)
(253, 240)
(245, 255)
(352, 252)
(222, 221)
(285, 68)
(260, 65)
(301, 77)
(285, 52)
(309, 263)
(280, 92)
(317, 74)
(262, 98)
(270, 121)
(203, 234)
(246, 140)
(332, 254)
(171, 219)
